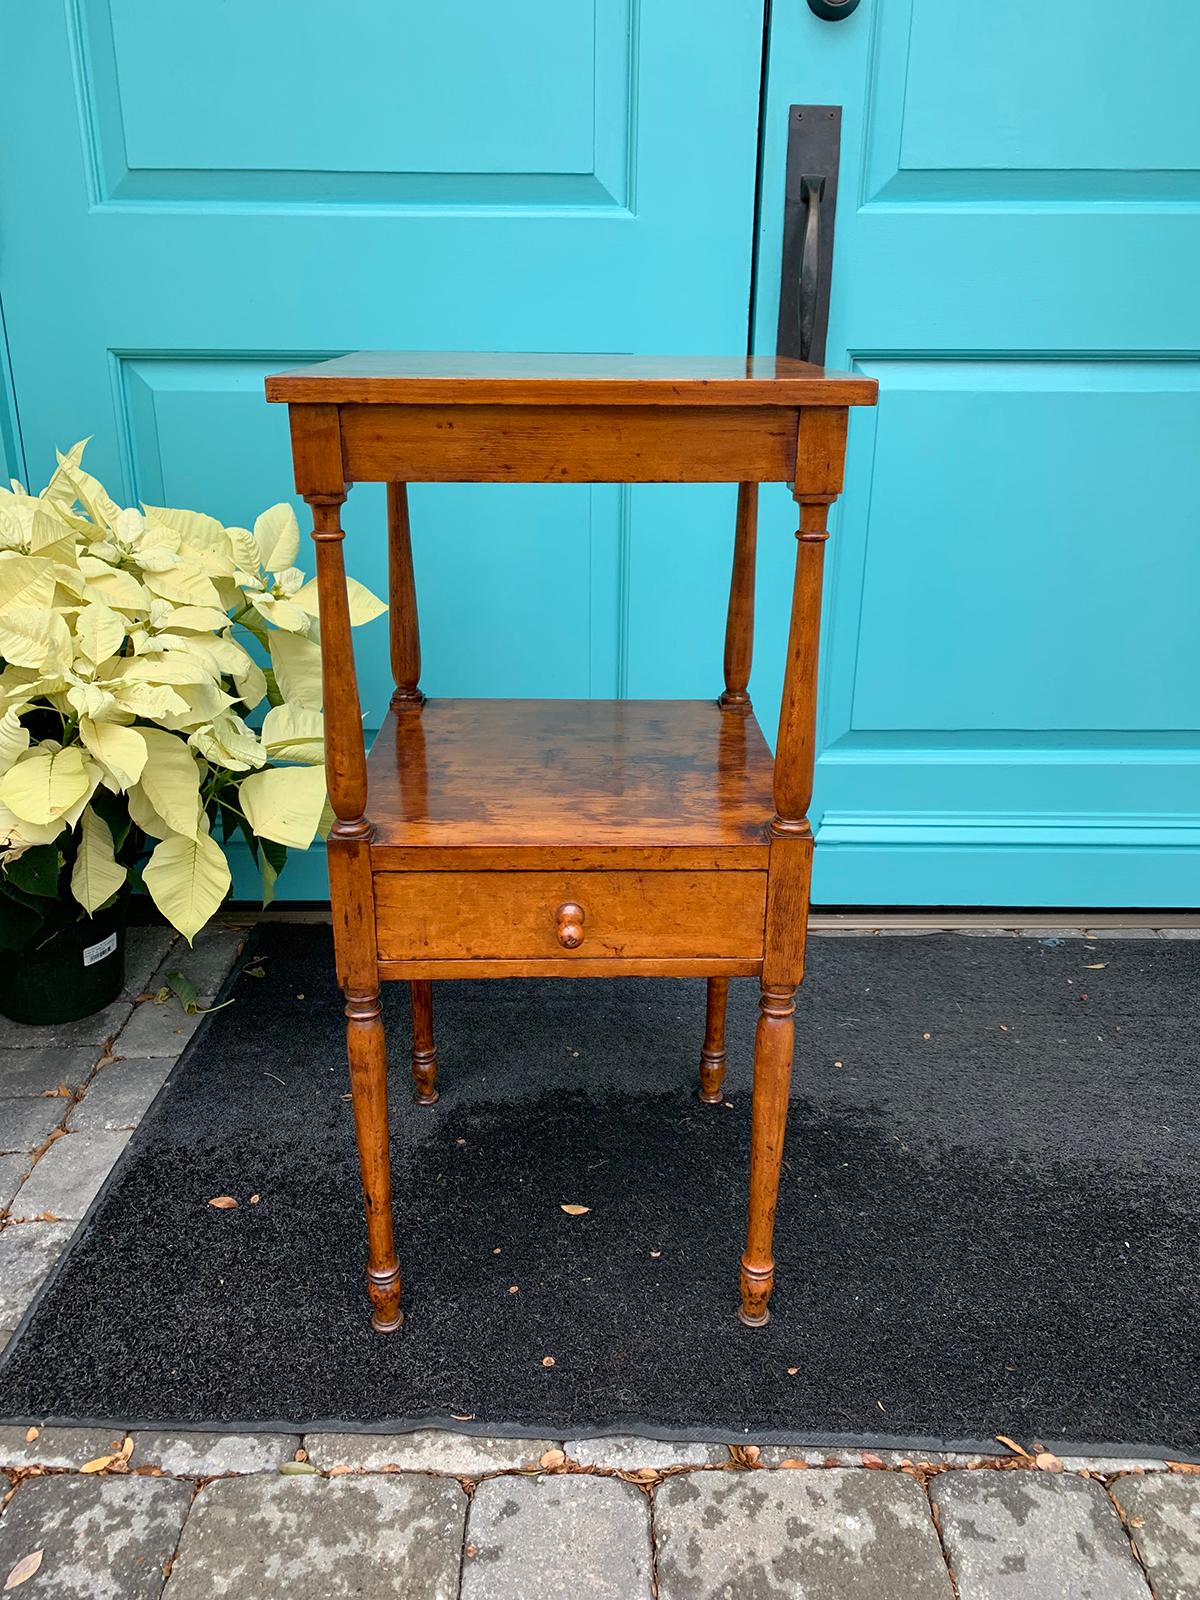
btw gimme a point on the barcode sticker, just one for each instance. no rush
(97, 952)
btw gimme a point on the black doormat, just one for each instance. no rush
(989, 1219)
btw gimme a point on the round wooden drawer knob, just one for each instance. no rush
(570, 925)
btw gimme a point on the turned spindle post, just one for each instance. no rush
(739, 621)
(788, 879)
(352, 896)
(424, 1051)
(712, 1056)
(404, 634)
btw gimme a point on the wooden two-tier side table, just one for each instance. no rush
(568, 838)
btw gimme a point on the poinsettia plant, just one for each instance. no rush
(129, 673)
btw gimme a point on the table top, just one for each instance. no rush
(381, 377)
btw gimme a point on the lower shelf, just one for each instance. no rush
(526, 783)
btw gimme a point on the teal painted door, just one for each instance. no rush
(194, 195)
(1011, 710)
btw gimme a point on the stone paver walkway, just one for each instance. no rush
(431, 1515)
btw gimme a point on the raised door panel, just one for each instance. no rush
(1009, 715)
(200, 194)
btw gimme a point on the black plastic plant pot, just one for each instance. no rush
(70, 974)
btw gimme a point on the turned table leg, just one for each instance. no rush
(367, 1049)
(768, 1120)
(712, 1056)
(789, 879)
(424, 1051)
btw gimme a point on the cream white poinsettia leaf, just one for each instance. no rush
(14, 739)
(364, 606)
(294, 733)
(196, 530)
(187, 879)
(171, 781)
(25, 581)
(120, 750)
(226, 741)
(99, 632)
(125, 623)
(35, 637)
(296, 661)
(17, 836)
(96, 875)
(285, 804)
(277, 535)
(43, 784)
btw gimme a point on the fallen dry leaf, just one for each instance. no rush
(792, 1371)
(870, 1459)
(340, 1471)
(1094, 966)
(575, 1211)
(31, 1434)
(514, 1288)
(24, 1569)
(301, 1454)
(552, 1458)
(795, 1463)
(547, 1361)
(1047, 1461)
(223, 1202)
(1183, 1466)
(101, 1463)
(1002, 1438)
(127, 1448)
(63, 1092)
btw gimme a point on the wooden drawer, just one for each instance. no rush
(512, 916)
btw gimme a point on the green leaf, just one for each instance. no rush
(19, 925)
(185, 991)
(274, 857)
(36, 871)
(114, 808)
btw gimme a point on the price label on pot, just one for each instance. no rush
(97, 952)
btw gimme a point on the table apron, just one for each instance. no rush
(568, 444)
